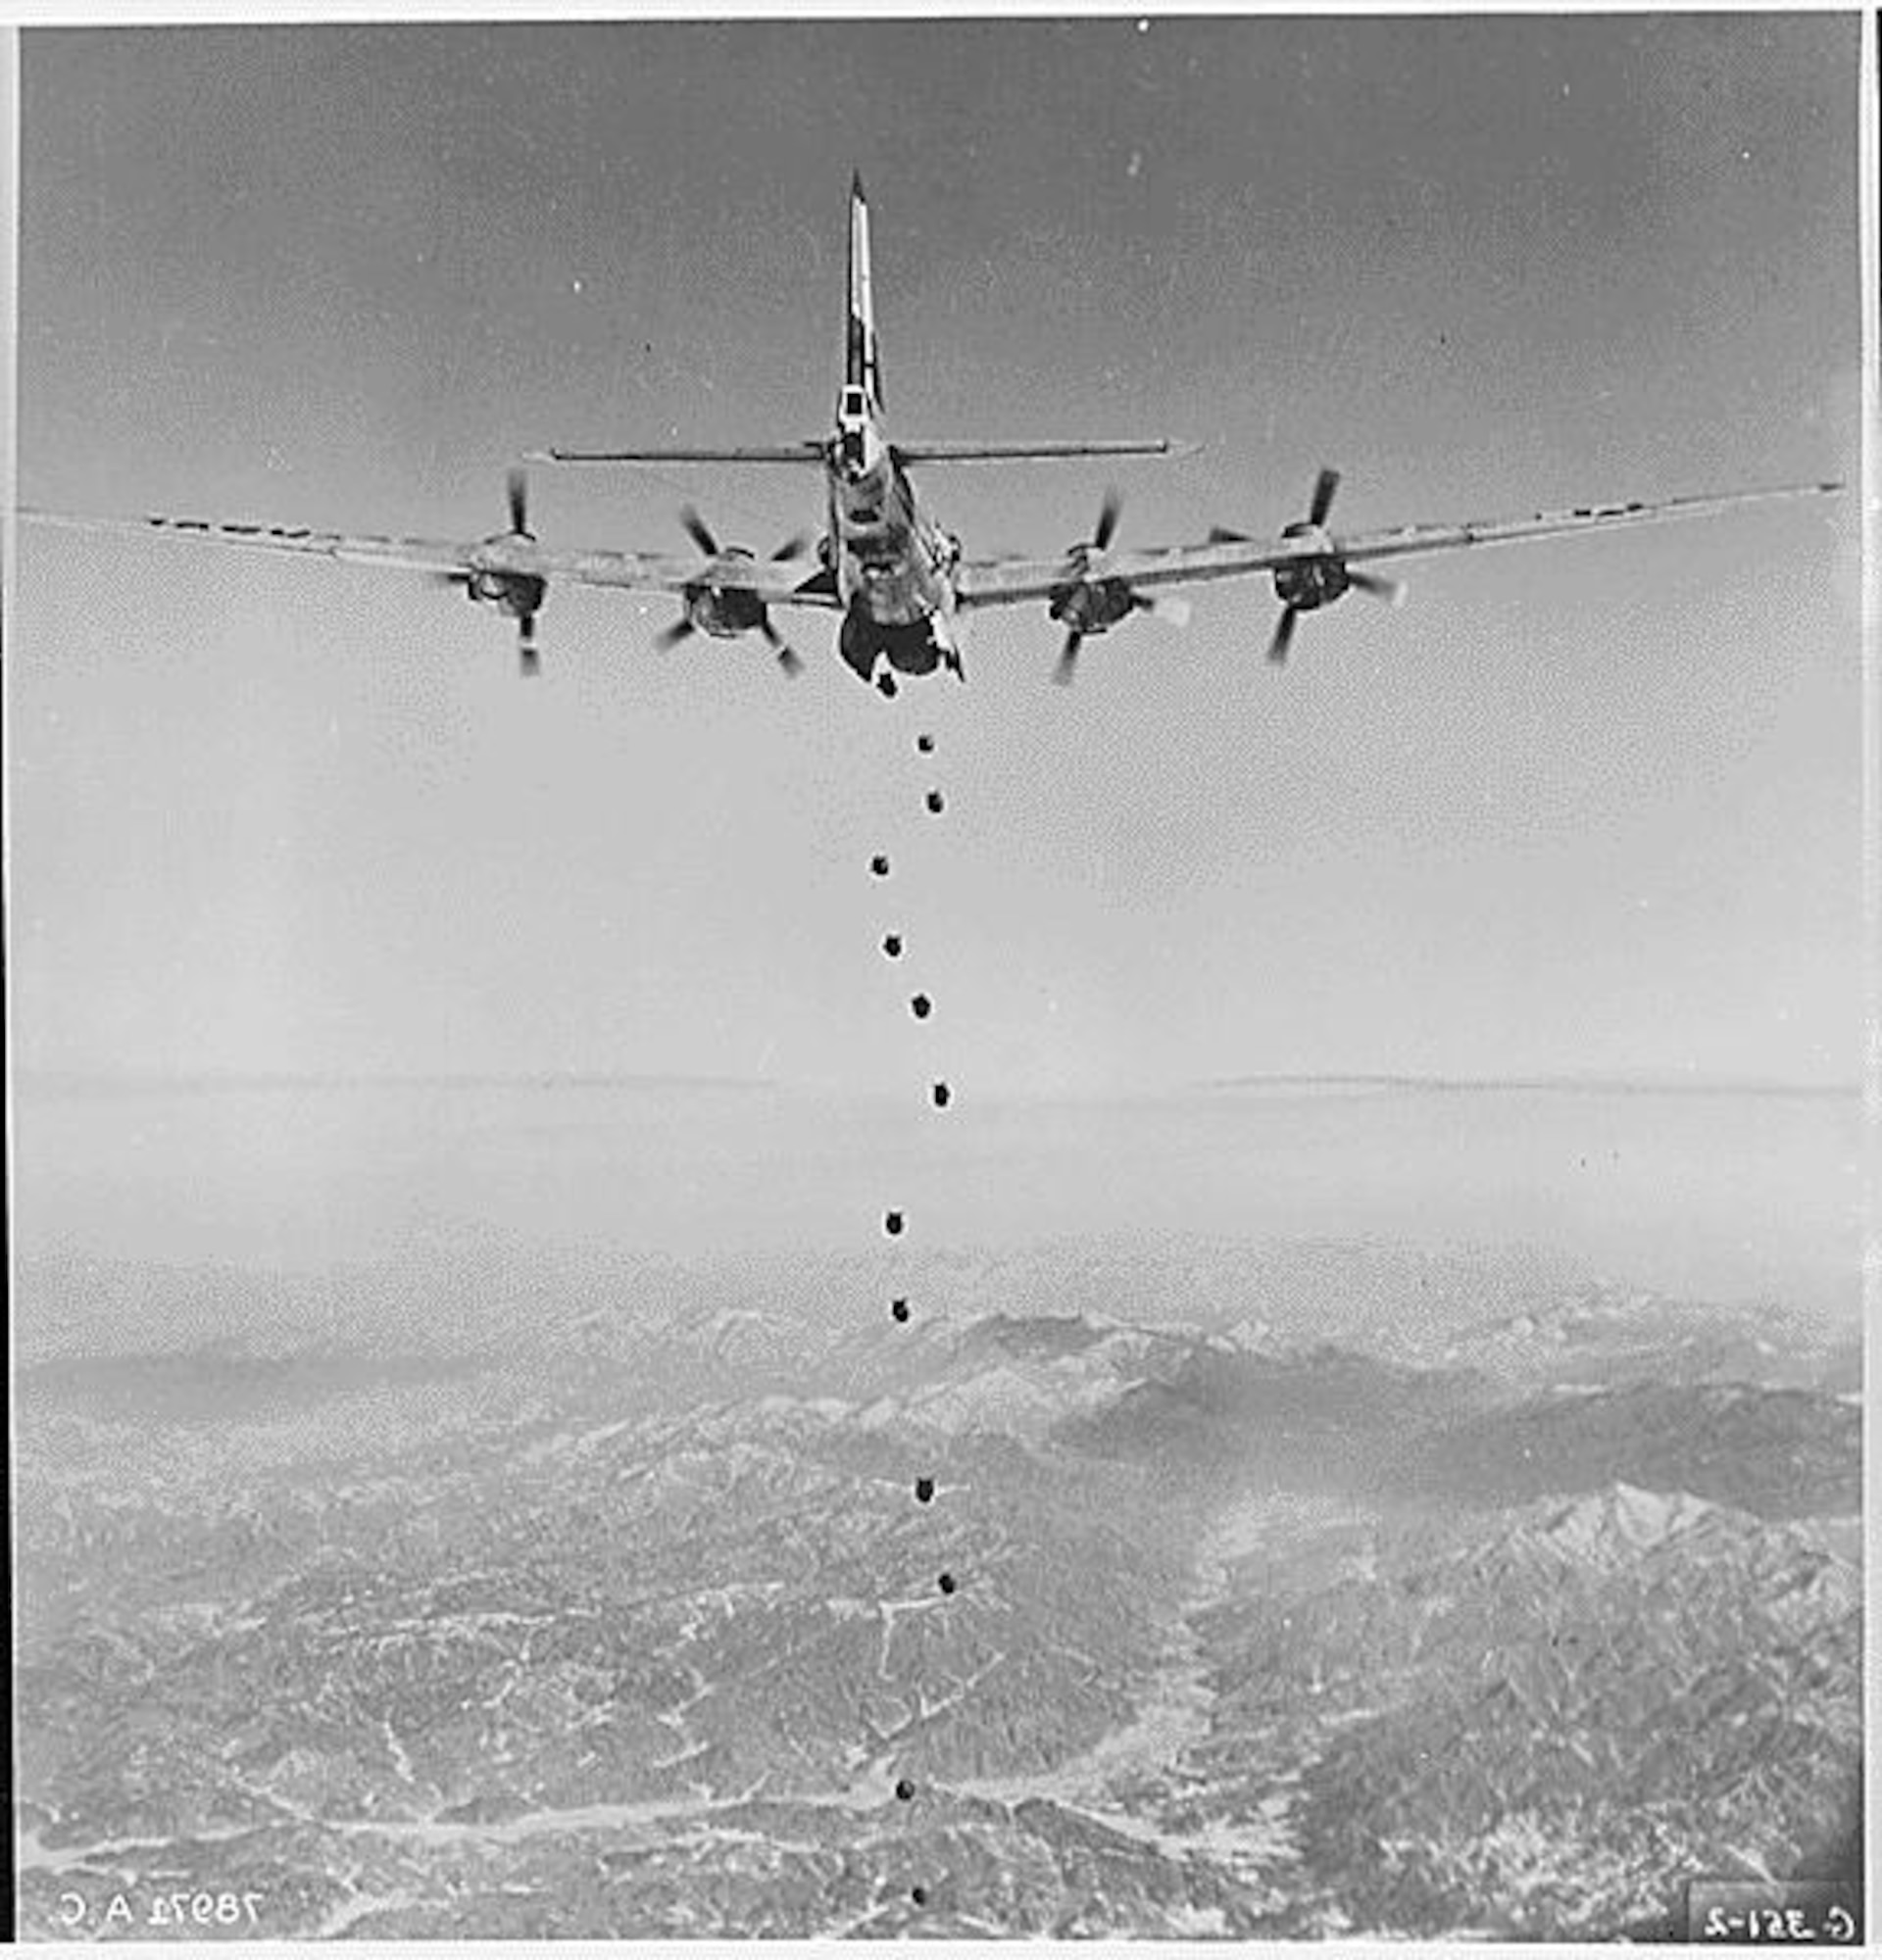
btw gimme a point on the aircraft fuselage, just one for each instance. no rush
(893, 564)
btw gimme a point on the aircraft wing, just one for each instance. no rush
(1013, 581)
(623, 571)
(966, 450)
(293, 540)
(808, 451)
(813, 450)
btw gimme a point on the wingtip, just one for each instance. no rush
(857, 193)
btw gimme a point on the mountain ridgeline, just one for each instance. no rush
(1258, 1592)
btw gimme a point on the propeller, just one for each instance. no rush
(1317, 579)
(726, 615)
(696, 528)
(787, 656)
(1114, 598)
(517, 491)
(1325, 486)
(519, 594)
(1172, 608)
(701, 533)
(1387, 591)
(1109, 512)
(1283, 636)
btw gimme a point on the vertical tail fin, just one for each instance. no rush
(862, 367)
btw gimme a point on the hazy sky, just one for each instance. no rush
(1591, 805)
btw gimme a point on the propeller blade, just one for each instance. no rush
(669, 637)
(792, 548)
(1068, 659)
(528, 662)
(1169, 606)
(1387, 590)
(1329, 481)
(1107, 516)
(1219, 535)
(459, 579)
(786, 654)
(695, 527)
(1283, 636)
(517, 485)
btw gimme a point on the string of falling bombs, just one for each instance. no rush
(894, 1220)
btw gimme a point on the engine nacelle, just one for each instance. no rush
(516, 595)
(1312, 583)
(724, 611)
(1092, 605)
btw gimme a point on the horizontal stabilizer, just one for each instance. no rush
(1036, 452)
(809, 451)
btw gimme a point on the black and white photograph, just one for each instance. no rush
(936, 976)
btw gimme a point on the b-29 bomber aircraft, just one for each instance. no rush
(897, 579)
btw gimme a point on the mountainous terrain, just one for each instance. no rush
(1140, 1587)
